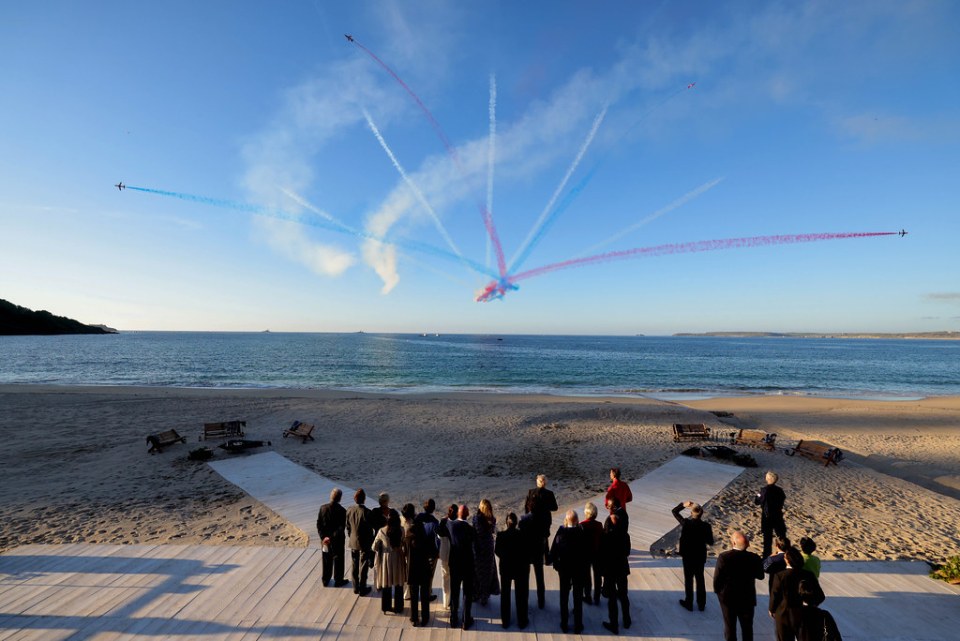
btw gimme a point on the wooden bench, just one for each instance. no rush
(818, 451)
(690, 432)
(756, 438)
(160, 440)
(227, 429)
(300, 430)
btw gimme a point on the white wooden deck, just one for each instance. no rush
(219, 593)
(143, 593)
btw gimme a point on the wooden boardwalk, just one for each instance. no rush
(87, 592)
(220, 593)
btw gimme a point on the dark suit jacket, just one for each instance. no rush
(331, 521)
(735, 577)
(785, 591)
(543, 503)
(568, 551)
(514, 554)
(462, 540)
(771, 501)
(359, 527)
(615, 550)
(695, 536)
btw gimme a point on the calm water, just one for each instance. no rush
(664, 367)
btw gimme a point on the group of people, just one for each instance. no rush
(591, 557)
(403, 549)
(794, 587)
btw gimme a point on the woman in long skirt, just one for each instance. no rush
(487, 581)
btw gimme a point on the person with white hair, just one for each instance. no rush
(541, 503)
(771, 499)
(569, 561)
(592, 539)
(331, 526)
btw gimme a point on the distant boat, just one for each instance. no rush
(266, 331)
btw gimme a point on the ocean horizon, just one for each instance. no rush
(663, 367)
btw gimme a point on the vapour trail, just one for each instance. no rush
(535, 234)
(682, 200)
(319, 212)
(413, 187)
(485, 214)
(327, 223)
(692, 247)
(491, 151)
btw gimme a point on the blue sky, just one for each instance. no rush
(805, 117)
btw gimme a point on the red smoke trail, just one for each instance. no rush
(451, 151)
(691, 247)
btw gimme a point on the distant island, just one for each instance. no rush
(20, 321)
(914, 335)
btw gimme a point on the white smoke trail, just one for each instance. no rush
(556, 194)
(679, 202)
(413, 187)
(308, 205)
(491, 153)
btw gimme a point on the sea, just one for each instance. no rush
(668, 368)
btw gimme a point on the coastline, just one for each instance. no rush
(75, 467)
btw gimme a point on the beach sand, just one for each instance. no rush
(74, 465)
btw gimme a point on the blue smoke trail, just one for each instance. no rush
(561, 207)
(322, 223)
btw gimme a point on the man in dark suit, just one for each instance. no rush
(569, 556)
(771, 499)
(331, 523)
(615, 559)
(360, 534)
(541, 503)
(513, 551)
(734, 581)
(695, 535)
(786, 602)
(462, 565)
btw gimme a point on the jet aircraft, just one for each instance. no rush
(348, 37)
(120, 185)
(903, 232)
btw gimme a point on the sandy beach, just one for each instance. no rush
(74, 466)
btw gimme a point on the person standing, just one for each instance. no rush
(430, 528)
(485, 524)
(734, 582)
(443, 532)
(391, 564)
(776, 563)
(541, 503)
(618, 489)
(360, 533)
(514, 554)
(810, 561)
(592, 539)
(462, 561)
(569, 560)
(815, 624)
(615, 558)
(331, 526)
(786, 603)
(771, 499)
(420, 551)
(695, 535)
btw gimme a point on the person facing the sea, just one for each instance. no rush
(420, 550)
(592, 539)
(462, 541)
(513, 550)
(360, 531)
(771, 499)
(734, 581)
(810, 562)
(430, 527)
(776, 563)
(569, 560)
(786, 603)
(331, 526)
(391, 564)
(443, 532)
(618, 489)
(487, 583)
(695, 535)
(541, 503)
(615, 558)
